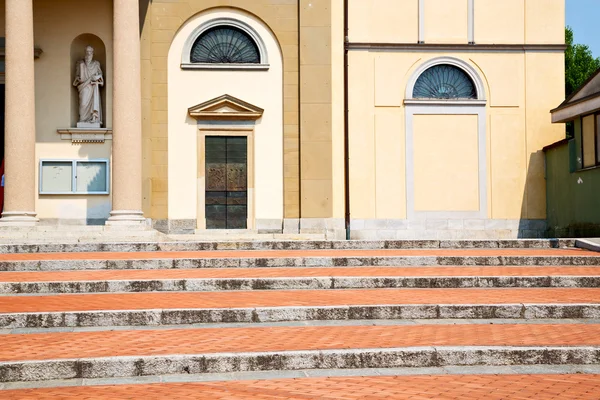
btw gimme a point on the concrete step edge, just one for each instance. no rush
(112, 246)
(159, 317)
(263, 262)
(294, 283)
(439, 356)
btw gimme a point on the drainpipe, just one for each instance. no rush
(346, 153)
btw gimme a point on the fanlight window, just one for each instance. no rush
(225, 45)
(444, 82)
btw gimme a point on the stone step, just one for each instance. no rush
(177, 243)
(209, 279)
(111, 354)
(295, 258)
(177, 308)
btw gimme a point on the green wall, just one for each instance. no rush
(573, 195)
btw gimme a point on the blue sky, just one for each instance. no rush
(584, 17)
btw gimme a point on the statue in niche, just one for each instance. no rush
(88, 79)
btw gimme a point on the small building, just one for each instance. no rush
(390, 119)
(573, 165)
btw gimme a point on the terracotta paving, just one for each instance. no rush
(293, 253)
(280, 298)
(44, 346)
(463, 387)
(206, 273)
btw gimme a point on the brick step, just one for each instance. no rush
(106, 354)
(295, 258)
(176, 308)
(214, 279)
(491, 387)
(195, 245)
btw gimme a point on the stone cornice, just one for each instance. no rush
(456, 47)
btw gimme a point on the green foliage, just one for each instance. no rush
(580, 64)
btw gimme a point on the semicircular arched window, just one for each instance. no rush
(445, 82)
(225, 45)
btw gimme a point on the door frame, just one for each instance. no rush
(240, 130)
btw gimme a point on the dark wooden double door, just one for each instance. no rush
(226, 182)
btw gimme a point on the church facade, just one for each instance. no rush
(388, 119)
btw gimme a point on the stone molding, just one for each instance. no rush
(225, 107)
(85, 135)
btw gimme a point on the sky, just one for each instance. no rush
(584, 17)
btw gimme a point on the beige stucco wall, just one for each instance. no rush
(519, 93)
(56, 24)
(188, 88)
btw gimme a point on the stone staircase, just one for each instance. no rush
(79, 314)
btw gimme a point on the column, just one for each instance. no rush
(127, 116)
(19, 131)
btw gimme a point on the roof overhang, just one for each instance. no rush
(570, 111)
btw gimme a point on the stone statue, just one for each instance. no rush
(88, 79)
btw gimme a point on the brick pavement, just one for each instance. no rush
(281, 298)
(45, 346)
(273, 272)
(444, 387)
(292, 253)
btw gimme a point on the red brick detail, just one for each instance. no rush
(453, 387)
(166, 300)
(42, 346)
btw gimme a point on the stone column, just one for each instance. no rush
(127, 116)
(19, 131)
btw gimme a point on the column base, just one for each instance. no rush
(127, 218)
(18, 218)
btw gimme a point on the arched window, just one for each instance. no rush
(445, 82)
(225, 45)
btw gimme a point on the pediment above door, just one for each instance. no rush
(225, 107)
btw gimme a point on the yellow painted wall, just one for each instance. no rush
(361, 126)
(545, 21)
(390, 165)
(388, 21)
(520, 90)
(56, 24)
(499, 22)
(446, 21)
(544, 77)
(446, 163)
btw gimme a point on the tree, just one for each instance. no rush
(580, 64)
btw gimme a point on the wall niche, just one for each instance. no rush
(78, 46)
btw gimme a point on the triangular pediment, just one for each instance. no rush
(226, 107)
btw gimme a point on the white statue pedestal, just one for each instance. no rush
(85, 135)
(88, 125)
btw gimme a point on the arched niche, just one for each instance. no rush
(78, 46)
